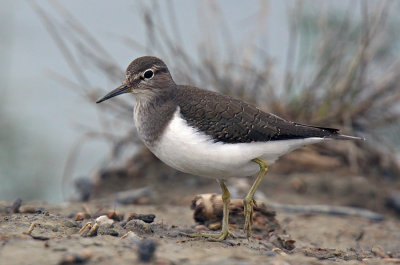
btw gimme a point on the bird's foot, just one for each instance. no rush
(248, 215)
(221, 236)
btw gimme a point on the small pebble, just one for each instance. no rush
(132, 237)
(103, 230)
(147, 218)
(104, 220)
(146, 249)
(279, 251)
(139, 227)
(115, 216)
(80, 216)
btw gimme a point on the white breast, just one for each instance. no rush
(186, 149)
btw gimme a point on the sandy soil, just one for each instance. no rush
(55, 238)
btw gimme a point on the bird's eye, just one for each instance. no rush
(148, 74)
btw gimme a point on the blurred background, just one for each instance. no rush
(327, 63)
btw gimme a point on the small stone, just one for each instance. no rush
(132, 237)
(115, 216)
(279, 251)
(139, 227)
(104, 220)
(80, 216)
(147, 218)
(146, 249)
(104, 230)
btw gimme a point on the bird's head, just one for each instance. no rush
(146, 77)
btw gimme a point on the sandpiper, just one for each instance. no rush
(209, 134)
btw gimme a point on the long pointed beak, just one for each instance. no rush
(118, 91)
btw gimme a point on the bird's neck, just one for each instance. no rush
(152, 114)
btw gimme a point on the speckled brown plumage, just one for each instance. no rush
(230, 120)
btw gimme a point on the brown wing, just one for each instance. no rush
(230, 120)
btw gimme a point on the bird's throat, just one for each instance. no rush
(151, 116)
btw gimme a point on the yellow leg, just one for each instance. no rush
(226, 199)
(248, 201)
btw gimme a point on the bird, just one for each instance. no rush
(209, 134)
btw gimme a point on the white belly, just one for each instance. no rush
(188, 150)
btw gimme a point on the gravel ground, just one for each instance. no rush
(43, 233)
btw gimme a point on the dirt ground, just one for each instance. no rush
(319, 239)
(43, 233)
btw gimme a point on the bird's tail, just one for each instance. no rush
(346, 137)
